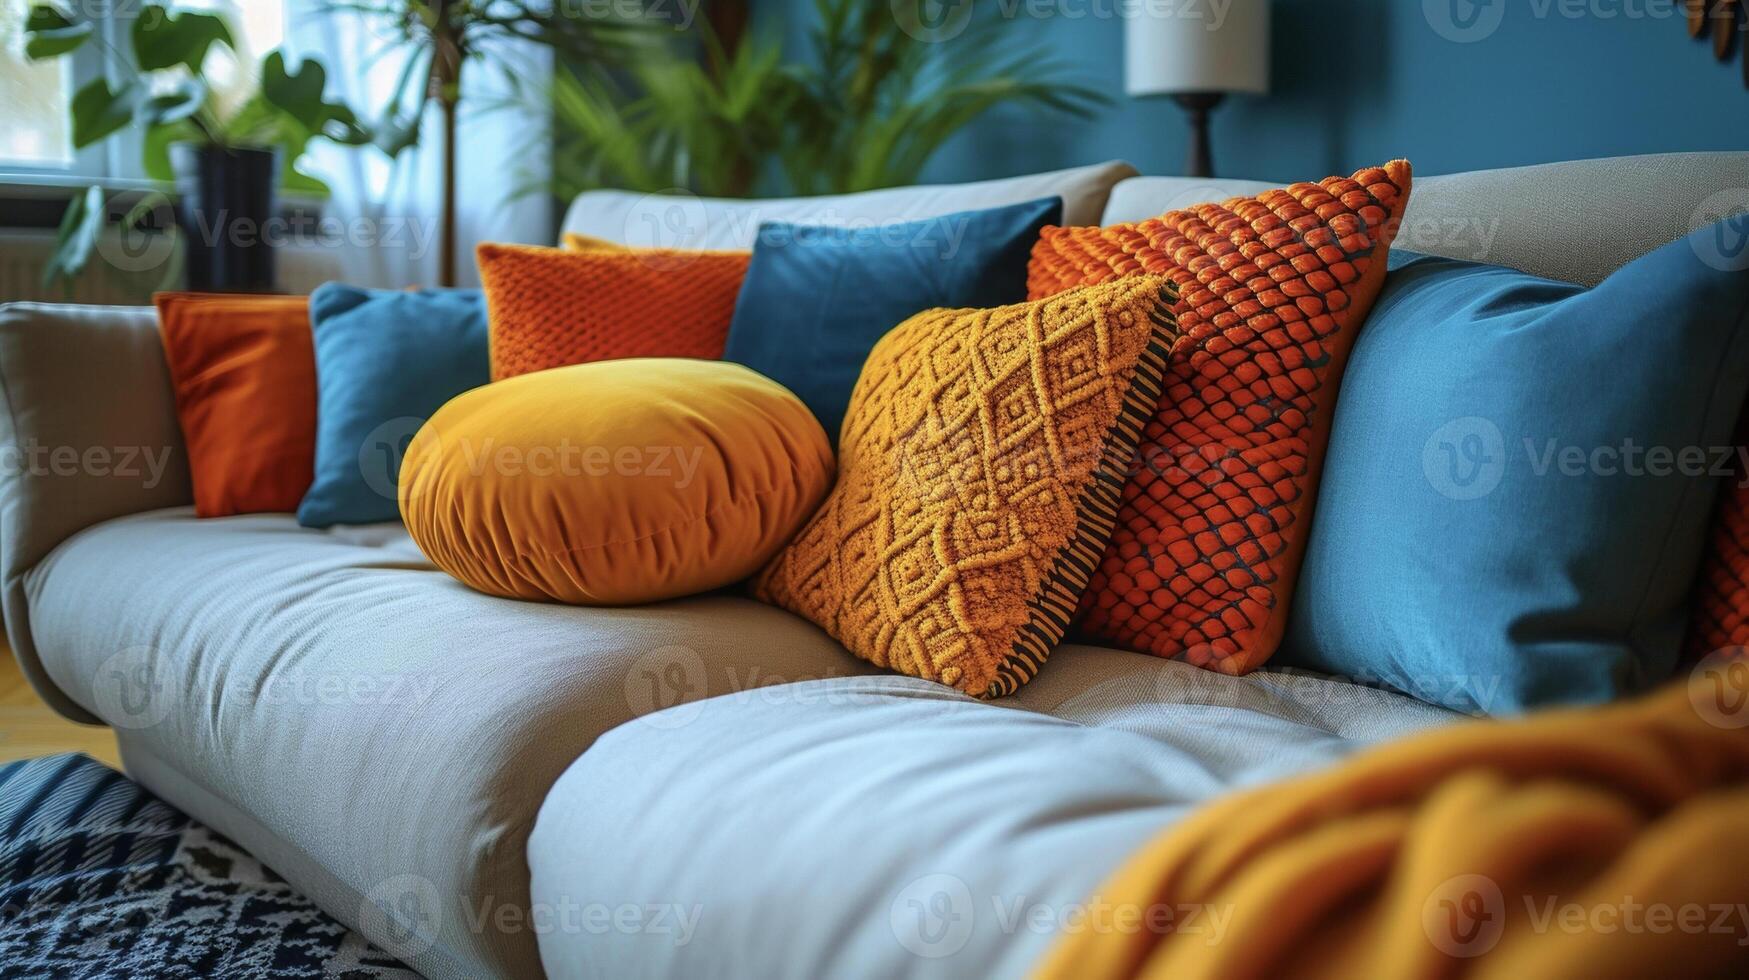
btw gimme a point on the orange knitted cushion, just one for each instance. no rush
(979, 470)
(549, 308)
(1272, 292)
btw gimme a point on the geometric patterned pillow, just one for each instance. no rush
(1272, 291)
(978, 476)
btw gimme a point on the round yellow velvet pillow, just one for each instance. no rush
(615, 482)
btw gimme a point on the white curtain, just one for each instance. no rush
(387, 213)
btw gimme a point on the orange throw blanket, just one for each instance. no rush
(1609, 842)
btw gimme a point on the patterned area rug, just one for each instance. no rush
(100, 879)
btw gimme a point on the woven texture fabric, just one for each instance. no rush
(1272, 290)
(979, 473)
(1720, 618)
(549, 308)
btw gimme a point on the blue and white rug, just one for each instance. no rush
(101, 879)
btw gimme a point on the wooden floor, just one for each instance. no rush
(29, 728)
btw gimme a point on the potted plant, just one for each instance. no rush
(441, 37)
(862, 104)
(227, 163)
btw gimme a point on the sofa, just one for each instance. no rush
(704, 787)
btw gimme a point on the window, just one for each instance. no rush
(35, 136)
(33, 119)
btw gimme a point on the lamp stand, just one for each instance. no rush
(1199, 162)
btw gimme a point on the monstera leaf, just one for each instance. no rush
(299, 95)
(163, 39)
(50, 34)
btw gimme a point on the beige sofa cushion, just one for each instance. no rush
(374, 730)
(942, 823)
(680, 221)
(1577, 222)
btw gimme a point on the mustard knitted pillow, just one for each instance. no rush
(979, 475)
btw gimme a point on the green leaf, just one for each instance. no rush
(298, 94)
(182, 101)
(51, 33)
(344, 128)
(155, 153)
(164, 40)
(146, 207)
(99, 111)
(259, 122)
(77, 237)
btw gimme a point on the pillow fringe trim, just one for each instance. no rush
(1054, 606)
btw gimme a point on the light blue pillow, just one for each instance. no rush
(385, 361)
(1520, 479)
(816, 299)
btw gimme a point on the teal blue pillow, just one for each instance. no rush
(815, 300)
(1520, 479)
(385, 361)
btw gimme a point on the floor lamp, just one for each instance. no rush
(1197, 55)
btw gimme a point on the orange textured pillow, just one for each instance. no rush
(244, 373)
(1213, 522)
(550, 308)
(1720, 618)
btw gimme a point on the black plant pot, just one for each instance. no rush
(225, 209)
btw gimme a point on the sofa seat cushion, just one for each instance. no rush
(888, 827)
(371, 715)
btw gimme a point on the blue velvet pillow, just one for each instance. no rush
(384, 362)
(816, 300)
(1520, 480)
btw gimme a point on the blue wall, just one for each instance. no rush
(1358, 82)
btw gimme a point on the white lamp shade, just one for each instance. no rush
(1171, 46)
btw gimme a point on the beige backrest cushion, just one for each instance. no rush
(683, 221)
(88, 433)
(1576, 222)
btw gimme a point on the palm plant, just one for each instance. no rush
(879, 99)
(444, 36)
(686, 116)
(865, 106)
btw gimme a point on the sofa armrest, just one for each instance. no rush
(88, 432)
